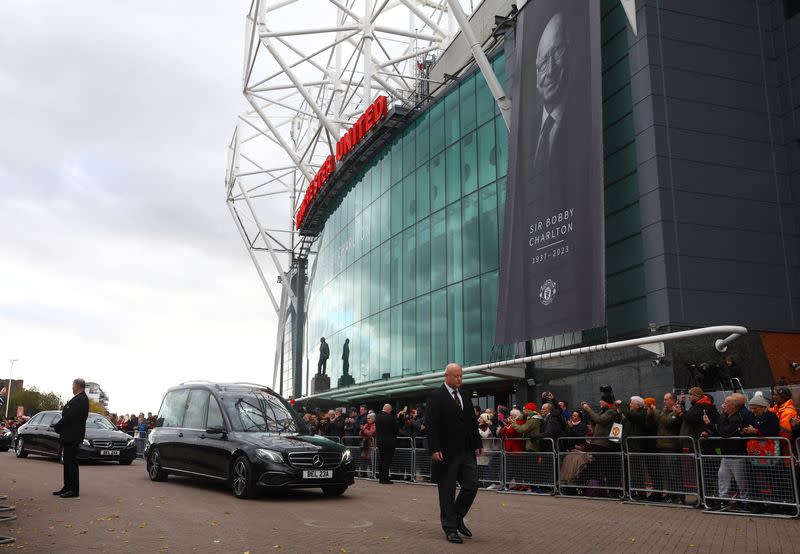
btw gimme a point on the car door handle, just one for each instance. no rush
(180, 434)
(202, 436)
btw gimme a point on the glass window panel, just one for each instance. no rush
(397, 208)
(437, 182)
(488, 227)
(386, 172)
(358, 202)
(356, 291)
(472, 322)
(409, 201)
(385, 266)
(487, 163)
(501, 147)
(366, 184)
(409, 263)
(469, 235)
(396, 253)
(372, 338)
(347, 295)
(469, 164)
(397, 340)
(375, 281)
(453, 173)
(455, 324)
(454, 242)
(409, 151)
(365, 292)
(375, 225)
(501, 206)
(409, 337)
(452, 127)
(485, 100)
(423, 256)
(214, 419)
(488, 311)
(467, 105)
(423, 138)
(385, 342)
(436, 128)
(423, 340)
(439, 329)
(499, 66)
(397, 160)
(438, 249)
(385, 215)
(423, 192)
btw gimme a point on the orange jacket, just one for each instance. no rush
(785, 413)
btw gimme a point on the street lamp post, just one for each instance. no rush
(8, 392)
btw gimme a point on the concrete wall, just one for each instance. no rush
(714, 87)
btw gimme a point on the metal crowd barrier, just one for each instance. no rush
(141, 441)
(334, 438)
(4, 518)
(663, 469)
(422, 461)
(402, 462)
(750, 476)
(530, 472)
(592, 468)
(364, 457)
(490, 463)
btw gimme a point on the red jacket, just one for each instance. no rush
(507, 433)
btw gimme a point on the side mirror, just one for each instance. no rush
(215, 431)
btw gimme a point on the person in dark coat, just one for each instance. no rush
(553, 425)
(454, 444)
(731, 468)
(71, 429)
(692, 420)
(387, 429)
(324, 354)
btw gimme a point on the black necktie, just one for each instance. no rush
(542, 160)
(457, 399)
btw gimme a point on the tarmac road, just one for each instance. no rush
(121, 510)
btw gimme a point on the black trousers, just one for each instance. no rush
(71, 477)
(322, 365)
(462, 468)
(386, 454)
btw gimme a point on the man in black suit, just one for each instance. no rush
(454, 443)
(386, 428)
(71, 429)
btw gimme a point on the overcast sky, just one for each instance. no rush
(119, 262)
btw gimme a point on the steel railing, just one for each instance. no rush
(662, 469)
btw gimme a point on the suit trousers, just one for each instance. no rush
(386, 454)
(71, 477)
(462, 468)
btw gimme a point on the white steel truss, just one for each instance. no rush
(306, 83)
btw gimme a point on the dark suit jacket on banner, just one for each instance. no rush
(72, 425)
(450, 428)
(551, 284)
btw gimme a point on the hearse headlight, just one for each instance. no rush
(269, 455)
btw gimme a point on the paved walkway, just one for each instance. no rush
(122, 511)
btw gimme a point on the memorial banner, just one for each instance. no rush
(552, 270)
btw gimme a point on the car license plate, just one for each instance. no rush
(317, 473)
(109, 452)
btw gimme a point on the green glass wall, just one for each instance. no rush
(407, 265)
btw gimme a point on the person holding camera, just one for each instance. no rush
(603, 421)
(693, 418)
(531, 427)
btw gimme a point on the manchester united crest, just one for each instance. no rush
(547, 292)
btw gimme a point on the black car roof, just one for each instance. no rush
(224, 387)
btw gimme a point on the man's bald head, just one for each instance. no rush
(551, 62)
(453, 375)
(387, 408)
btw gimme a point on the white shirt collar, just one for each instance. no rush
(557, 114)
(451, 389)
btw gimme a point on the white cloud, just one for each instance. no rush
(119, 262)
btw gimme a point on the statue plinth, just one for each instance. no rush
(346, 380)
(320, 383)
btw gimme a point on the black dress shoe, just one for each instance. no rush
(463, 529)
(59, 492)
(452, 536)
(68, 494)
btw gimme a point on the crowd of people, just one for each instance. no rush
(134, 425)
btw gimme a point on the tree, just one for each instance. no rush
(97, 408)
(34, 401)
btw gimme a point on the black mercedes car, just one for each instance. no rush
(103, 441)
(245, 435)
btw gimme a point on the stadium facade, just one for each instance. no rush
(701, 211)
